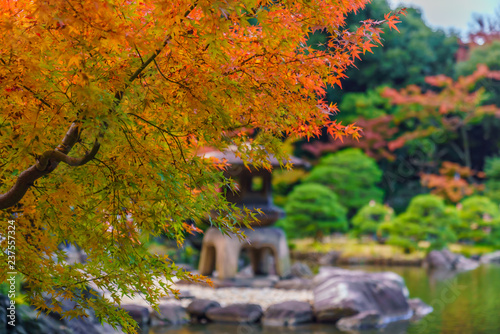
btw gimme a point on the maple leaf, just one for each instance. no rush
(391, 21)
(105, 105)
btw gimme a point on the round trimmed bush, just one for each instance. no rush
(368, 218)
(426, 219)
(480, 220)
(313, 210)
(352, 175)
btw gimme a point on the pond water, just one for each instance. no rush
(467, 302)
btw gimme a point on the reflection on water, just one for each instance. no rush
(396, 328)
(466, 302)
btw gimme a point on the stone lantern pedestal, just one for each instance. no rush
(264, 243)
(221, 252)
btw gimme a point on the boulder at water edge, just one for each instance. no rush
(340, 293)
(444, 259)
(199, 307)
(236, 313)
(289, 313)
(491, 257)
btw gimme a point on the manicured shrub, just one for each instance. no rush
(313, 210)
(369, 217)
(492, 170)
(352, 175)
(426, 219)
(480, 220)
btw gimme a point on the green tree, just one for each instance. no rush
(369, 217)
(492, 184)
(352, 175)
(480, 220)
(367, 105)
(488, 54)
(406, 58)
(427, 219)
(313, 210)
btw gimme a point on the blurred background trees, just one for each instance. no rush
(313, 210)
(426, 220)
(352, 175)
(429, 106)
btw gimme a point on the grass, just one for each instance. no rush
(469, 250)
(368, 248)
(350, 247)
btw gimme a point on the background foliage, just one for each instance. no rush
(427, 219)
(313, 210)
(352, 175)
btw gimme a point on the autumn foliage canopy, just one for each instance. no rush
(104, 106)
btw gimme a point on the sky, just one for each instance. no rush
(448, 14)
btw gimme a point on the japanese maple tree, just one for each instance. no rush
(376, 133)
(104, 106)
(448, 110)
(453, 182)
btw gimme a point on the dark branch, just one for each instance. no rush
(55, 155)
(28, 177)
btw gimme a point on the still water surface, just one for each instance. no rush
(467, 302)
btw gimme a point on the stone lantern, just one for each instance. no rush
(265, 242)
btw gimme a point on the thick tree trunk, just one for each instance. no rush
(47, 163)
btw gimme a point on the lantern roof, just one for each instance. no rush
(230, 156)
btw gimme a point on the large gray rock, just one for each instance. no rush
(340, 293)
(198, 309)
(289, 313)
(236, 313)
(491, 257)
(363, 320)
(301, 270)
(169, 314)
(444, 259)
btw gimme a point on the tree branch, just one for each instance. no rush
(28, 177)
(49, 160)
(58, 156)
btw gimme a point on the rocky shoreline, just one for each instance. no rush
(347, 299)
(344, 298)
